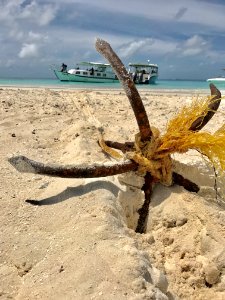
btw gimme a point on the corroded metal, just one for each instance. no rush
(185, 183)
(144, 210)
(124, 147)
(26, 165)
(214, 104)
(131, 91)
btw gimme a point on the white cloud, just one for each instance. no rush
(131, 48)
(162, 47)
(42, 14)
(28, 50)
(47, 15)
(195, 41)
(194, 46)
(13, 11)
(192, 52)
(35, 36)
(27, 29)
(204, 13)
(148, 46)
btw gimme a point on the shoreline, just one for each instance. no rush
(95, 88)
(161, 86)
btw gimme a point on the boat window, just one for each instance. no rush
(98, 74)
(77, 72)
(85, 73)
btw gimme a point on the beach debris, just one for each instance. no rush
(150, 154)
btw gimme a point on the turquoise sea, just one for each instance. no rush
(54, 83)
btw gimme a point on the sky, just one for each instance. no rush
(186, 38)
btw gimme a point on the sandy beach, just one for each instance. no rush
(80, 242)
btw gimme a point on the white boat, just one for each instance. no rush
(87, 72)
(143, 73)
(217, 80)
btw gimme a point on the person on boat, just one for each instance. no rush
(141, 76)
(92, 71)
(135, 77)
(63, 68)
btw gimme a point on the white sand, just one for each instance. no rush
(80, 244)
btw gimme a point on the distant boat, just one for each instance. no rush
(143, 73)
(217, 80)
(87, 72)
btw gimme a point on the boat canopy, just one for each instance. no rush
(96, 64)
(136, 65)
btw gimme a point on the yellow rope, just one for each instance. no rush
(113, 153)
(146, 157)
(154, 156)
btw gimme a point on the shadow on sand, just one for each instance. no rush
(77, 191)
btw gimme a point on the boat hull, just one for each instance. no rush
(152, 80)
(217, 81)
(64, 76)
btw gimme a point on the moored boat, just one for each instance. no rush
(87, 72)
(143, 73)
(217, 80)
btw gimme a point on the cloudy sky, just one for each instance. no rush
(186, 38)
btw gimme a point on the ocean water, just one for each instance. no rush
(55, 83)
